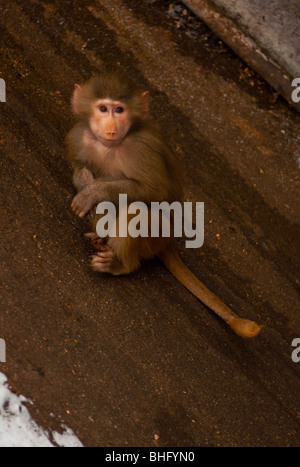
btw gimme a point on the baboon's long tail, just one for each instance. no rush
(172, 261)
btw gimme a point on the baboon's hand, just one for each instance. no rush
(83, 202)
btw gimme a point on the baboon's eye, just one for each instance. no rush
(103, 108)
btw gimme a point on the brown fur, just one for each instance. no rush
(116, 152)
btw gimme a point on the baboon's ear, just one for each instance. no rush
(76, 98)
(145, 101)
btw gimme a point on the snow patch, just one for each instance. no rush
(18, 429)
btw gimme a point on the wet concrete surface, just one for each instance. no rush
(137, 360)
(264, 34)
(274, 26)
(271, 26)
